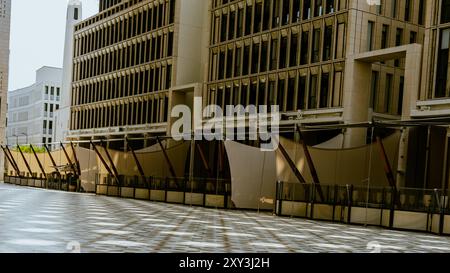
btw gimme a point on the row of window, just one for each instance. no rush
(387, 93)
(392, 8)
(267, 14)
(135, 83)
(52, 93)
(148, 111)
(106, 4)
(145, 51)
(306, 89)
(385, 34)
(148, 19)
(278, 52)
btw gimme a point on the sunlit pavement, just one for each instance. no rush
(34, 220)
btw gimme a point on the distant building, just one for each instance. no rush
(129, 59)
(5, 17)
(31, 109)
(62, 116)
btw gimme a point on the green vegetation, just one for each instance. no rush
(27, 149)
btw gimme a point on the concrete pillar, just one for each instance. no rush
(356, 100)
(410, 96)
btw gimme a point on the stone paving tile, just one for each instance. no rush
(34, 220)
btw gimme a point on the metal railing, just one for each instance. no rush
(405, 199)
(197, 185)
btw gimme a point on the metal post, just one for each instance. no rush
(104, 162)
(138, 164)
(11, 160)
(76, 159)
(39, 162)
(171, 169)
(68, 158)
(311, 165)
(25, 160)
(116, 173)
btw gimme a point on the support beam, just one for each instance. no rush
(136, 160)
(205, 162)
(387, 164)
(52, 159)
(104, 162)
(12, 161)
(292, 165)
(310, 162)
(68, 158)
(38, 161)
(171, 169)
(12, 157)
(113, 167)
(25, 160)
(77, 162)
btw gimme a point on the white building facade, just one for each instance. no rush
(31, 110)
(62, 116)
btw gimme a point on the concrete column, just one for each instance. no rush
(410, 96)
(356, 100)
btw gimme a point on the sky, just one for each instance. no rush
(37, 37)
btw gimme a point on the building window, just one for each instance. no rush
(370, 32)
(283, 52)
(394, 8)
(328, 41)
(315, 57)
(276, 14)
(75, 14)
(273, 54)
(258, 16)
(246, 61)
(255, 58)
(306, 9)
(266, 15)
(304, 47)
(412, 37)
(280, 94)
(374, 89)
(442, 66)
(232, 25)
(264, 52)
(388, 93)
(385, 37)
(312, 103)
(400, 95)
(293, 59)
(301, 93)
(248, 20)
(295, 11)
(408, 10)
(445, 13)
(285, 15)
(318, 9)
(422, 9)
(324, 90)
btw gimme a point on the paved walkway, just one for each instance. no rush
(34, 220)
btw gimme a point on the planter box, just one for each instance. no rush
(175, 197)
(195, 199)
(102, 189)
(157, 195)
(127, 192)
(215, 201)
(143, 194)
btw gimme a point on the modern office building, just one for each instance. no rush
(336, 63)
(5, 20)
(129, 59)
(62, 116)
(31, 110)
